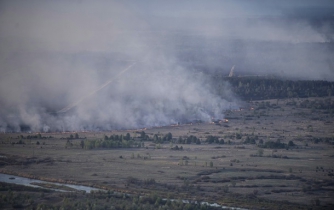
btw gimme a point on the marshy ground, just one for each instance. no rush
(240, 172)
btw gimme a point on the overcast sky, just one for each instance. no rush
(77, 25)
(230, 8)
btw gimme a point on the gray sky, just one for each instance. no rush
(99, 25)
(226, 8)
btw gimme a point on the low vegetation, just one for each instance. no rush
(268, 154)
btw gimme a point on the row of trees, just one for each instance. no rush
(252, 139)
(276, 144)
(37, 136)
(114, 141)
(214, 139)
(188, 140)
(116, 137)
(126, 141)
(160, 139)
(260, 88)
(108, 144)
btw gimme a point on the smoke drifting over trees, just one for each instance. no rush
(54, 53)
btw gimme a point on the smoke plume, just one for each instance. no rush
(130, 64)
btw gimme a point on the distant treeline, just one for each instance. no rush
(114, 141)
(261, 88)
(127, 141)
(108, 144)
(38, 136)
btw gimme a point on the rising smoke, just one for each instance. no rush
(55, 54)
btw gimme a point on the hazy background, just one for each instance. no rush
(54, 53)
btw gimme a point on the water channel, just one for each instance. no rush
(30, 182)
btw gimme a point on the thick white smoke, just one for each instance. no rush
(150, 94)
(55, 53)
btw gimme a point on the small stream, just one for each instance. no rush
(210, 204)
(28, 182)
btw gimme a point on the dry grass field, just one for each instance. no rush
(234, 173)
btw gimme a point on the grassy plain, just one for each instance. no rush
(234, 173)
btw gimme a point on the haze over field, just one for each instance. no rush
(55, 53)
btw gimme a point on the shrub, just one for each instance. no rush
(260, 152)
